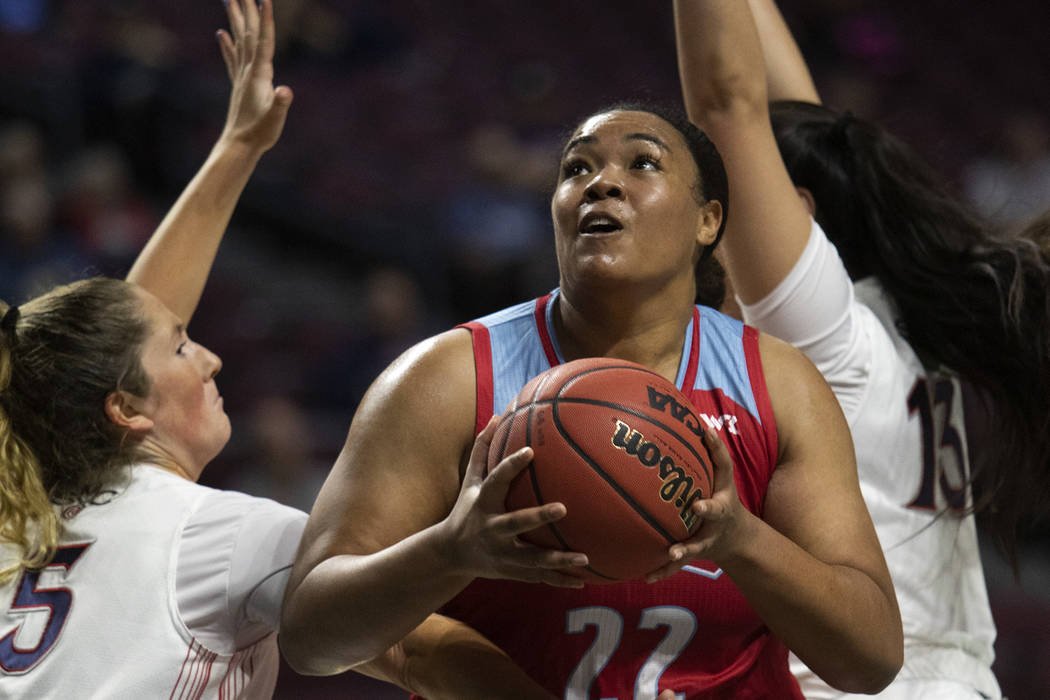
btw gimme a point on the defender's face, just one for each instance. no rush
(189, 421)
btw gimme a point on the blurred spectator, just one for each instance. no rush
(23, 16)
(498, 222)
(1012, 184)
(36, 256)
(390, 317)
(111, 219)
(281, 463)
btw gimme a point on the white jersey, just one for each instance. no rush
(162, 588)
(910, 440)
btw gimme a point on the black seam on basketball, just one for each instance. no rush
(671, 539)
(506, 437)
(534, 480)
(638, 414)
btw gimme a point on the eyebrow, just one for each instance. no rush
(636, 136)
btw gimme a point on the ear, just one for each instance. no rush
(120, 408)
(710, 220)
(807, 199)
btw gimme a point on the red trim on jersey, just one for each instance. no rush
(694, 355)
(479, 336)
(541, 326)
(760, 391)
(178, 680)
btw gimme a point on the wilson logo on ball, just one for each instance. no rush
(676, 486)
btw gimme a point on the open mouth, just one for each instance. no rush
(599, 223)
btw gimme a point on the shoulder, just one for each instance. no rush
(224, 521)
(434, 371)
(803, 402)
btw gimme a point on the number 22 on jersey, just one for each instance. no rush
(608, 623)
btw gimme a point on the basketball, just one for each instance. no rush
(621, 447)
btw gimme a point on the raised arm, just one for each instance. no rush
(787, 75)
(723, 81)
(176, 261)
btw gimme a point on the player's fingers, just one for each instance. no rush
(500, 476)
(479, 454)
(533, 557)
(720, 456)
(517, 522)
(266, 31)
(555, 578)
(236, 16)
(712, 509)
(251, 18)
(229, 56)
(665, 571)
(666, 695)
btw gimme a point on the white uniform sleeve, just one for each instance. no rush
(814, 309)
(234, 560)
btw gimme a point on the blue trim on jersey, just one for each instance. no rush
(722, 364)
(517, 351)
(518, 354)
(548, 315)
(687, 353)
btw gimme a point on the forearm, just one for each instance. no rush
(836, 618)
(444, 658)
(787, 76)
(175, 263)
(719, 59)
(350, 608)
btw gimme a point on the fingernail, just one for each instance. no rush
(579, 560)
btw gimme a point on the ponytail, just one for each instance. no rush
(27, 519)
(61, 355)
(967, 298)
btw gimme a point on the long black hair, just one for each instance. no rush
(967, 297)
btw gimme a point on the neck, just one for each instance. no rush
(159, 457)
(650, 331)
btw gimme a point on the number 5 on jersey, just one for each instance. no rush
(24, 646)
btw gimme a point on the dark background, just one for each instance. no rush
(410, 189)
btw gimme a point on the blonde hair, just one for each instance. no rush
(59, 360)
(26, 518)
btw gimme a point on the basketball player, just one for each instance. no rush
(786, 556)
(119, 575)
(894, 291)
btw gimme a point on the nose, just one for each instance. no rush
(606, 183)
(212, 363)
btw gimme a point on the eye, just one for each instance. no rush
(572, 168)
(646, 162)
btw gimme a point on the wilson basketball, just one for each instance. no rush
(620, 446)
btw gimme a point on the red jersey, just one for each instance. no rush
(693, 632)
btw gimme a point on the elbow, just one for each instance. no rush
(296, 649)
(316, 659)
(313, 647)
(870, 676)
(723, 95)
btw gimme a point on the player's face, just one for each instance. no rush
(625, 207)
(189, 423)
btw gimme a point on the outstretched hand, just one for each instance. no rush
(483, 536)
(720, 517)
(257, 109)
